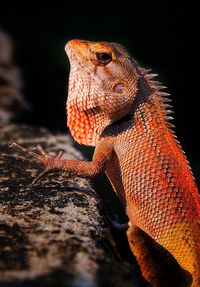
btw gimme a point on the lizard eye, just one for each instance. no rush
(104, 58)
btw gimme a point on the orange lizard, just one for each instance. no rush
(118, 107)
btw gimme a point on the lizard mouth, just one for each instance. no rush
(75, 56)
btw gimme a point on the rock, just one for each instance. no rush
(56, 232)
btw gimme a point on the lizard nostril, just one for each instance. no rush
(118, 88)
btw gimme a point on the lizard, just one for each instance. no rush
(117, 106)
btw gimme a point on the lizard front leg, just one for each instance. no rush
(39, 157)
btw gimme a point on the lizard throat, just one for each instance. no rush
(86, 126)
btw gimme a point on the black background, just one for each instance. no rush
(160, 35)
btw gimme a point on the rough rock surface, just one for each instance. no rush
(54, 233)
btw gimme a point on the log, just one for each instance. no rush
(55, 233)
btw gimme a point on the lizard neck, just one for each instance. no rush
(152, 104)
(149, 111)
(152, 117)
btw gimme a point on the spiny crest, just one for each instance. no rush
(165, 100)
(164, 97)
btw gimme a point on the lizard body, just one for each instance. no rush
(116, 106)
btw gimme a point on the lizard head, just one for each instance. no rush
(102, 87)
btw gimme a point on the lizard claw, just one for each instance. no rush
(39, 149)
(40, 175)
(37, 157)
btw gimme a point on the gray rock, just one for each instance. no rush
(56, 232)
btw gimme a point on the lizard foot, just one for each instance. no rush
(37, 157)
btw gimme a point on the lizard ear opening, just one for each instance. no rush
(118, 88)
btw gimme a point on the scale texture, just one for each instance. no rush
(118, 107)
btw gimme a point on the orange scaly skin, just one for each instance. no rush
(116, 105)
